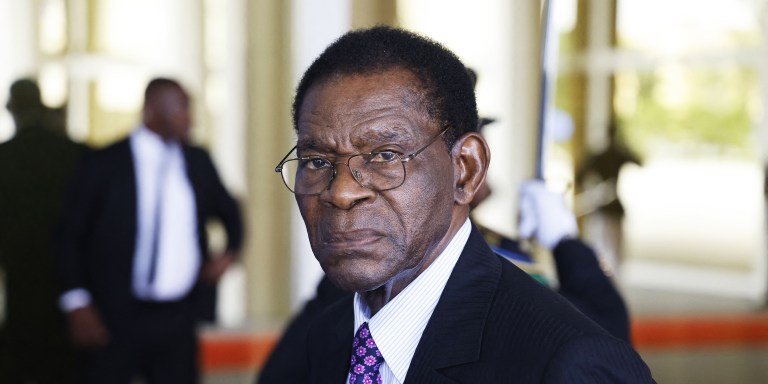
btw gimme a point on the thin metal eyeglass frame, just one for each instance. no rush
(279, 167)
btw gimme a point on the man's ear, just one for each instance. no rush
(471, 157)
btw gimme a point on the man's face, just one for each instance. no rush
(171, 113)
(365, 239)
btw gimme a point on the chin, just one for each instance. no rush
(347, 280)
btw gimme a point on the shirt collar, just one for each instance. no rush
(149, 141)
(398, 326)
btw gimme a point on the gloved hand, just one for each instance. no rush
(544, 215)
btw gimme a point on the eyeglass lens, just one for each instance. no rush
(312, 176)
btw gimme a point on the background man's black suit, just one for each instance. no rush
(98, 234)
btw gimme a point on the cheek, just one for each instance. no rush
(426, 206)
(306, 210)
(432, 189)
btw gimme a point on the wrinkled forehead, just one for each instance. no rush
(370, 107)
(359, 140)
(377, 81)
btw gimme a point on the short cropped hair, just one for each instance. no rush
(157, 84)
(447, 89)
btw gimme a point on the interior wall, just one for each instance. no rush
(17, 41)
(268, 205)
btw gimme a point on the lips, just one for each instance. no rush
(358, 238)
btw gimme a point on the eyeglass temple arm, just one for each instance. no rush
(279, 167)
(412, 155)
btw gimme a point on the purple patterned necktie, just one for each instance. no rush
(366, 358)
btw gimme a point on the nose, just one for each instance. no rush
(345, 191)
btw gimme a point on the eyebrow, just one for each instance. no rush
(307, 143)
(396, 134)
(382, 136)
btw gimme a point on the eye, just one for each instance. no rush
(383, 157)
(314, 163)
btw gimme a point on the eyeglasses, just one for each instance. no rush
(378, 170)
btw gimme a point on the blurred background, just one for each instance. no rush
(683, 83)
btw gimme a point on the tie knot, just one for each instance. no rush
(366, 358)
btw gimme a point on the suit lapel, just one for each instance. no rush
(197, 179)
(454, 333)
(127, 174)
(189, 164)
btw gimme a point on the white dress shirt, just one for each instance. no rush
(160, 169)
(398, 326)
(161, 183)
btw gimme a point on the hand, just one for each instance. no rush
(544, 215)
(214, 268)
(86, 328)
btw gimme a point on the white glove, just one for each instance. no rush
(544, 214)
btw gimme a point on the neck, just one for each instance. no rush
(379, 297)
(152, 128)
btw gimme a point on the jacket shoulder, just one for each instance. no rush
(105, 158)
(115, 149)
(536, 303)
(196, 151)
(533, 335)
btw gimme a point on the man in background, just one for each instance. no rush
(598, 178)
(35, 166)
(133, 251)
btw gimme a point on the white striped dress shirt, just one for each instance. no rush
(398, 326)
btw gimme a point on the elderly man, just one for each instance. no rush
(386, 164)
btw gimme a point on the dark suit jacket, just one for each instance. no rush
(97, 233)
(35, 167)
(581, 280)
(286, 362)
(580, 277)
(585, 285)
(492, 324)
